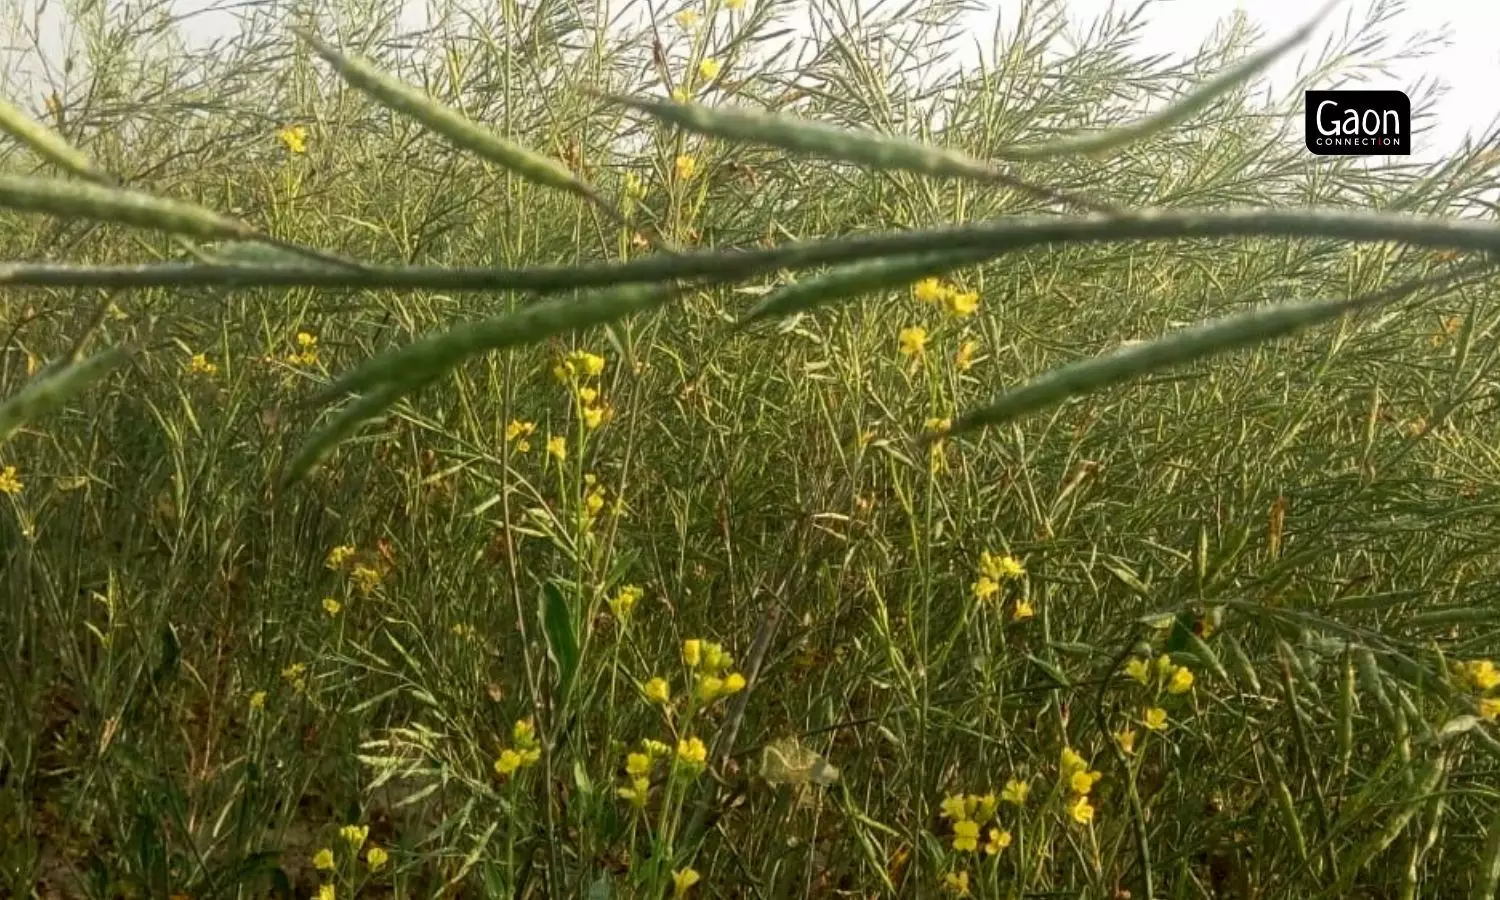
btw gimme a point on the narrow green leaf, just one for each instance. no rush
(562, 637)
(49, 391)
(1487, 873)
(458, 130)
(1196, 100)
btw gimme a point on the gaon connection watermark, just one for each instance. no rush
(1358, 123)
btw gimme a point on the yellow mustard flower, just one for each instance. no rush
(635, 188)
(296, 675)
(594, 416)
(518, 432)
(323, 859)
(692, 652)
(734, 682)
(965, 836)
(709, 688)
(999, 840)
(637, 792)
(709, 69)
(679, 95)
(1489, 708)
(1081, 810)
(1069, 761)
(734, 4)
(964, 359)
(985, 589)
(957, 883)
(200, 365)
(961, 304)
(637, 764)
(1016, 792)
(327, 892)
(1181, 681)
(258, 700)
(912, 341)
(623, 602)
(683, 881)
(1125, 737)
(1155, 718)
(10, 481)
(692, 752)
(376, 858)
(685, 167)
(929, 290)
(1023, 611)
(294, 138)
(524, 733)
(557, 447)
(307, 352)
(1137, 669)
(954, 807)
(365, 578)
(657, 691)
(686, 19)
(655, 748)
(1001, 567)
(339, 556)
(1479, 675)
(331, 606)
(1083, 782)
(355, 835)
(508, 762)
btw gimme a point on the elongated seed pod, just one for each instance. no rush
(46, 143)
(47, 392)
(344, 424)
(430, 357)
(851, 281)
(82, 200)
(458, 130)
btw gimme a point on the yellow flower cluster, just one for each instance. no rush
(365, 576)
(200, 365)
(1481, 677)
(1075, 775)
(1176, 679)
(623, 602)
(711, 666)
(525, 753)
(355, 836)
(10, 481)
(995, 570)
(573, 370)
(683, 880)
(518, 433)
(957, 303)
(912, 342)
(307, 350)
(294, 138)
(638, 771)
(968, 813)
(593, 502)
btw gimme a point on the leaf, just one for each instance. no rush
(562, 637)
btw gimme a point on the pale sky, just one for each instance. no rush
(1469, 63)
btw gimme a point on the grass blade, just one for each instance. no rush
(1189, 345)
(458, 130)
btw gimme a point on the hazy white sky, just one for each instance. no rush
(1469, 64)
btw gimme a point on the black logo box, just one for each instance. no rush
(1358, 123)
